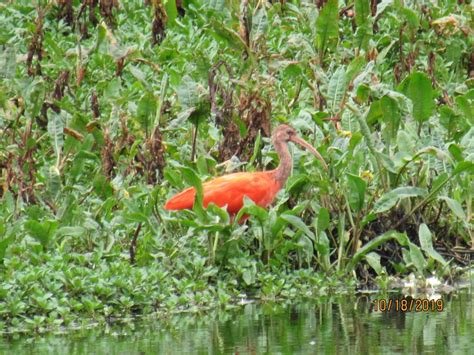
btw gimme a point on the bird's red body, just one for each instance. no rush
(229, 190)
(260, 187)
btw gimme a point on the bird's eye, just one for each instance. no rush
(290, 133)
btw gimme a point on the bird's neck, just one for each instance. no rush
(284, 168)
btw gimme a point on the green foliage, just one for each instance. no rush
(417, 87)
(327, 27)
(98, 127)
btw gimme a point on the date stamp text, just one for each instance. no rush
(407, 305)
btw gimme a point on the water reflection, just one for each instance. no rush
(330, 325)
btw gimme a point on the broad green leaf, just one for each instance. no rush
(146, 110)
(327, 25)
(362, 37)
(249, 277)
(192, 179)
(112, 90)
(336, 89)
(455, 206)
(8, 62)
(373, 259)
(259, 23)
(35, 95)
(43, 232)
(411, 17)
(391, 114)
(354, 68)
(55, 130)
(140, 76)
(75, 231)
(54, 181)
(420, 92)
(466, 107)
(391, 198)
(464, 166)
(187, 92)
(448, 118)
(323, 219)
(401, 238)
(426, 242)
(220, 212)
(4, 243)
(375, 113)
(382, 5)
(201, 165)
(171, 11)
(298, 223)
(456, 152)
(250, 208)
(322, 244)
(357, 187)
(362, 11)
(417, 258)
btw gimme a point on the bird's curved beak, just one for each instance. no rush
(304, 144)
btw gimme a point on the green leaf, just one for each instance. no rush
(373, 259)
(146, 110)
(455, 206)
(464, 166)
(322, 244)
(8, 62)
(357, 187)
(417, 258)
(327, 25)
(391, 114)
(76, 231)
(259, 23)
(391, 198)
(298, 223)
(250, 208)
(336, 89)
(401, 238)
(411, 17)
(192, 179)
(112, 90)
(54, 181)
(323, 219)
(420, 92)
(426, 242)
(355, 67)
(221, 213)
(456, 152)
(466, 107)
(171, 11)
(55, 130)
(375, 112)
(4, 243)
(362, 12)
(43, 232)
(248, 277)
(187, 92)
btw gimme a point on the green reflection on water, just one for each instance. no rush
(330, 325)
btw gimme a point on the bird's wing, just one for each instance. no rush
(230, 190)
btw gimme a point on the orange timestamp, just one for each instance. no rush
(407, 305)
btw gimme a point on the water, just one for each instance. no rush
(348, 324)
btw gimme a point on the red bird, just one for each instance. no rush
(261, 187)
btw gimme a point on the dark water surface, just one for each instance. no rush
(351, 324)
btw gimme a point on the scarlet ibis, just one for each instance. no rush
(261, 187)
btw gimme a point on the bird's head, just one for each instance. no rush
(284, 134)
